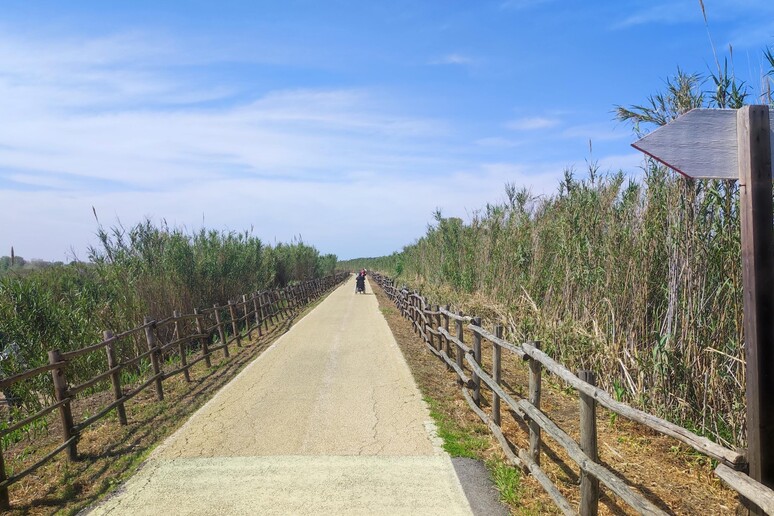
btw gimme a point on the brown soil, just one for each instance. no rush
(108, 452)
(674, 477)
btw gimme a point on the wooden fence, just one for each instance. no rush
(183, 339)
(433, 325)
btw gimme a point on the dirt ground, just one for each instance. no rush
(110, 453)
(676, 478)
(670, 474)
(326, 421)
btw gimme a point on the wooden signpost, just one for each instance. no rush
(737, 144)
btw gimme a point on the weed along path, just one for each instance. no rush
(326, 421)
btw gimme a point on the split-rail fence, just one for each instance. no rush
(181, 340)
(432, 323)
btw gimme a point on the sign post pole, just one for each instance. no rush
(728, 144)
(755, 205)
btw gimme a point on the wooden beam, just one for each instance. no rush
(755, 187)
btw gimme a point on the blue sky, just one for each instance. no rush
(345, 122)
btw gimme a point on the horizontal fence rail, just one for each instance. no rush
(184, 339)
(432, 324)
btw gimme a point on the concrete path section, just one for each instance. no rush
(326, 421)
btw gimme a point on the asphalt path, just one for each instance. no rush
(328, 420)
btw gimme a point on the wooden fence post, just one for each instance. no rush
(535, 383)
(234, 324)
(417, 311)
(413, 312)
(264, 310)
(203, 340)
(421, 312)
(221, 334)
(589, 504)
(446, 340)
(115, 376)
(154, 355)
(269, 307)
(437, 325)
(65, 413)
(477, 357)
(248, 326)
(5, 501)
(282, 304)
(429, 325)
(497, 373)
(182, 348)
(458, 350)
(258, 320)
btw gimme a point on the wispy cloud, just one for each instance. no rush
(532, 123)
(498, 142)
(518, 5)
(454, 59)
(630, 163)
(106, 127)
(662, 13)
(668, 12)
(96, 114)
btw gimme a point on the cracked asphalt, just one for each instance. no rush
(328, 420)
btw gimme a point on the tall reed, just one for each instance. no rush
(638, 279)
(145, 270)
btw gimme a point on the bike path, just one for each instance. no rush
(328, 420)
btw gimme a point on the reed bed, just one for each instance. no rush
(636, 278)
(146, 270)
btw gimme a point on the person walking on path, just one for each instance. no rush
(314, 425)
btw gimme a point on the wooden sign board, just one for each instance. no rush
(737, 144)
(700, 144)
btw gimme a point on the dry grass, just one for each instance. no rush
(110, 453)
(676, 478)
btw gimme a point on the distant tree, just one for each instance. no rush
(5, 263)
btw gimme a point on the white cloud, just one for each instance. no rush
(100, 123)
(498, 142)
(532, 123)
(664, 13)
(669, 12)
(519, 5)
(630, 163)
(110, 127)
(91, 115)
(454, 59)
(370, 214)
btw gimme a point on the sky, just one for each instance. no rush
(344, 123)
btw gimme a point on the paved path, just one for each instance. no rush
(326, 421)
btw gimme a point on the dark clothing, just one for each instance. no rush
(360, 283)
